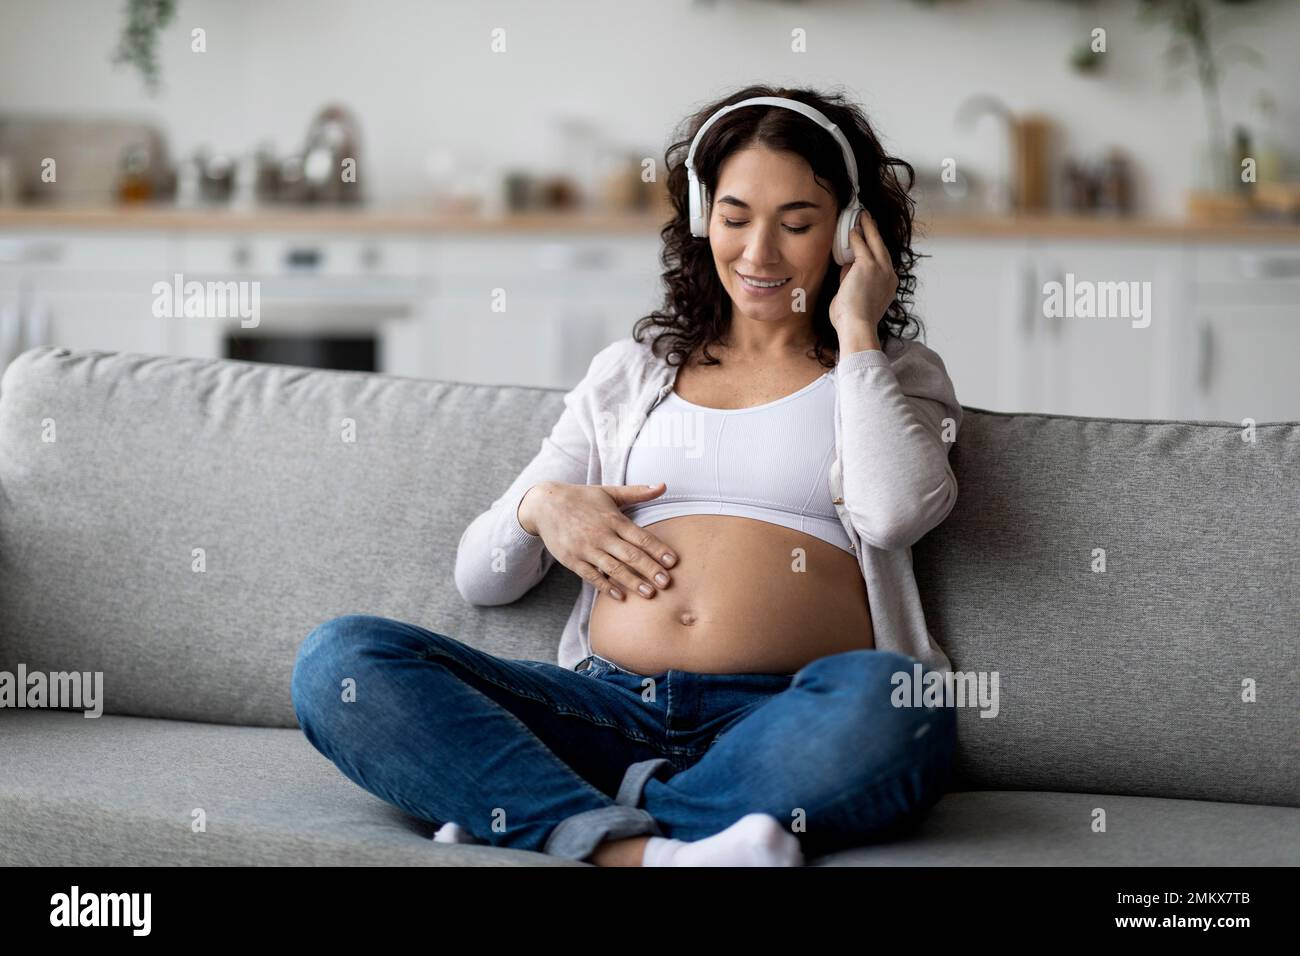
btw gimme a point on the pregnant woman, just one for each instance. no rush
(739, 493)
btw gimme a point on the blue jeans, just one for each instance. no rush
(530, 755)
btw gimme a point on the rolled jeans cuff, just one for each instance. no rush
(576, 837)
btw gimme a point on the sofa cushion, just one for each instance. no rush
(122, 791)
(1041, 828)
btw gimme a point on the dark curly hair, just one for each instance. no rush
(697, 309)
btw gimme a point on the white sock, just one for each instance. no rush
(756, 839)
(453, 833)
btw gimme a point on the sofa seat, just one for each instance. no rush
(121, 791)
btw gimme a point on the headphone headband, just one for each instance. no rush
(816, 115)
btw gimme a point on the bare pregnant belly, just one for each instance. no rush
(738, 603)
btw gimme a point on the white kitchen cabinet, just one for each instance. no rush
(111, 322)
(984, 306)
(966, 297)
(1116, 362)
(982, 303)
(95, 290)
(463, 340)
(539, 341)
(1240, 356)
(1246, 365)
(565, 298)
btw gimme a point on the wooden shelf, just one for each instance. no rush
(1073, 226)
(391, 221)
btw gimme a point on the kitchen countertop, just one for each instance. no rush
(391, 220)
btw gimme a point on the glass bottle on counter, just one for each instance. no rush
(134, 185)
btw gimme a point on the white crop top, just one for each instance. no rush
(770, 462)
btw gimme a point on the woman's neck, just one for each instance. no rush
(749, 339)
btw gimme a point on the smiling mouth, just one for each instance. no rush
(761, 283)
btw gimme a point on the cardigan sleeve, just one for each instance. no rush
(497, 561)
(895, 415)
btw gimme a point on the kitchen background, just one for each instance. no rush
(498, 147)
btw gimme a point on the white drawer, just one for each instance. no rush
(1265, 263)
(299, 255)
(561, 255)
(85, 251)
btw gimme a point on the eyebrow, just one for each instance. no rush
(798, 204)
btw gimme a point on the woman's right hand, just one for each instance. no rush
(582, 526)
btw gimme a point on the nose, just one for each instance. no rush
(761, 249)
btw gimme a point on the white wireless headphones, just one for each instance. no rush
(698, 193)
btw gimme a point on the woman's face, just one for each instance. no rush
(771, 220)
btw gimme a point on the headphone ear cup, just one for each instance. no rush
(698, 200)
(843, 248)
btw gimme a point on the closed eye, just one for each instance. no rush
(737, 224)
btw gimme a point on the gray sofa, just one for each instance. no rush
(1120, 693)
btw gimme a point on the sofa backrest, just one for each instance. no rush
(157, 456)
(1136, 587)
(1126, 681)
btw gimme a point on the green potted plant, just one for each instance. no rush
(138, 44)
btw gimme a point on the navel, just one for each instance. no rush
(688, 617)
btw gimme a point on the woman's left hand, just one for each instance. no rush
(867, 287)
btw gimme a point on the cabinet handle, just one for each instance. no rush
(303, 258)
(1033, 309)
(1205, 350)
(1058, 321)
(1269, 267)
(24, 251)
(563, 256)
(1040, 275)
(592, 257)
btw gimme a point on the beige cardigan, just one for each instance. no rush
(896, 417)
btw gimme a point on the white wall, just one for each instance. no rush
(419, 73)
